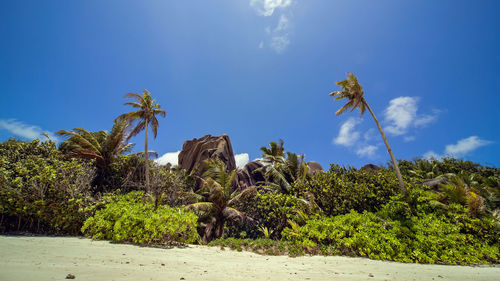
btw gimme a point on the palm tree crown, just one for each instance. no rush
(353, 92)
(145, 115)
(101, 146)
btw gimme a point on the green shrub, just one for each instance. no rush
(270, 210)
(415, 231)
(40, 191)
(260, 246)
(126, 218)
(343, 189)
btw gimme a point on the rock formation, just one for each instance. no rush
(196, 151)
(248, 176)
(370, 168)
(314, 167)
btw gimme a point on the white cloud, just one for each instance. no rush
(400, 114)
(261, 45)
(279, 43)
(23, 130)
(465, 146)
(366, 151)
(424, 120)
(169, 157)
(347, 135)
(266, 7)
(241, 159)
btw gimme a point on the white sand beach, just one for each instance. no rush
(53, 258)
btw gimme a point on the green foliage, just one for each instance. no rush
(469, 183)
(218, 200)
(271, 210)
(126, 218)
(101, 147)
(40, 191)
(259, 246)
(282, 172)
(343, 189)
(418, 231)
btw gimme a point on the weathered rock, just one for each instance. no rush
(370, 168)
(249, 176)
(435, 182)
(196, 151)
(313, 167)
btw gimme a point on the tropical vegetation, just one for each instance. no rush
(448, 210)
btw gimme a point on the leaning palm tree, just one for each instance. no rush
(145, 115)
(101, 146)
(218, 206)
(353, 92)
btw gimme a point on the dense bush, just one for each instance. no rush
(343, 189)
(128, 218)
(40, 191)
(427, 233)
(270, 210)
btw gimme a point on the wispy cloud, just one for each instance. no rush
(278, 37)
(169, 157)
(348, 136)
(279, 43)
(241, 159)
(367, 150)
(461, 148)
(24, 130)
(401, 115)
(465, 146)
(266, 7)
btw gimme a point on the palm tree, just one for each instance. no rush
(101, 146)
(145, 115)
(220, 201)
(353, 92)
(274, 154)
(282, 172)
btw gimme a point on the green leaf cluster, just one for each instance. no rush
(341, 189)
(40, 190)
(129, 218)
(416, 231)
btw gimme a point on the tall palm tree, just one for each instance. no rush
(219, 204)
(101, 146)
(353, 92)
(145, 115)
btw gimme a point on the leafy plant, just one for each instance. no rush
(219, 200)
(127, 218)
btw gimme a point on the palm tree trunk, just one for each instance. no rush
(394, 163)
(146, 156)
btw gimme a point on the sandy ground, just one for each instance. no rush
(53, 258)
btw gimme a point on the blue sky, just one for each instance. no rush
(261, 70)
